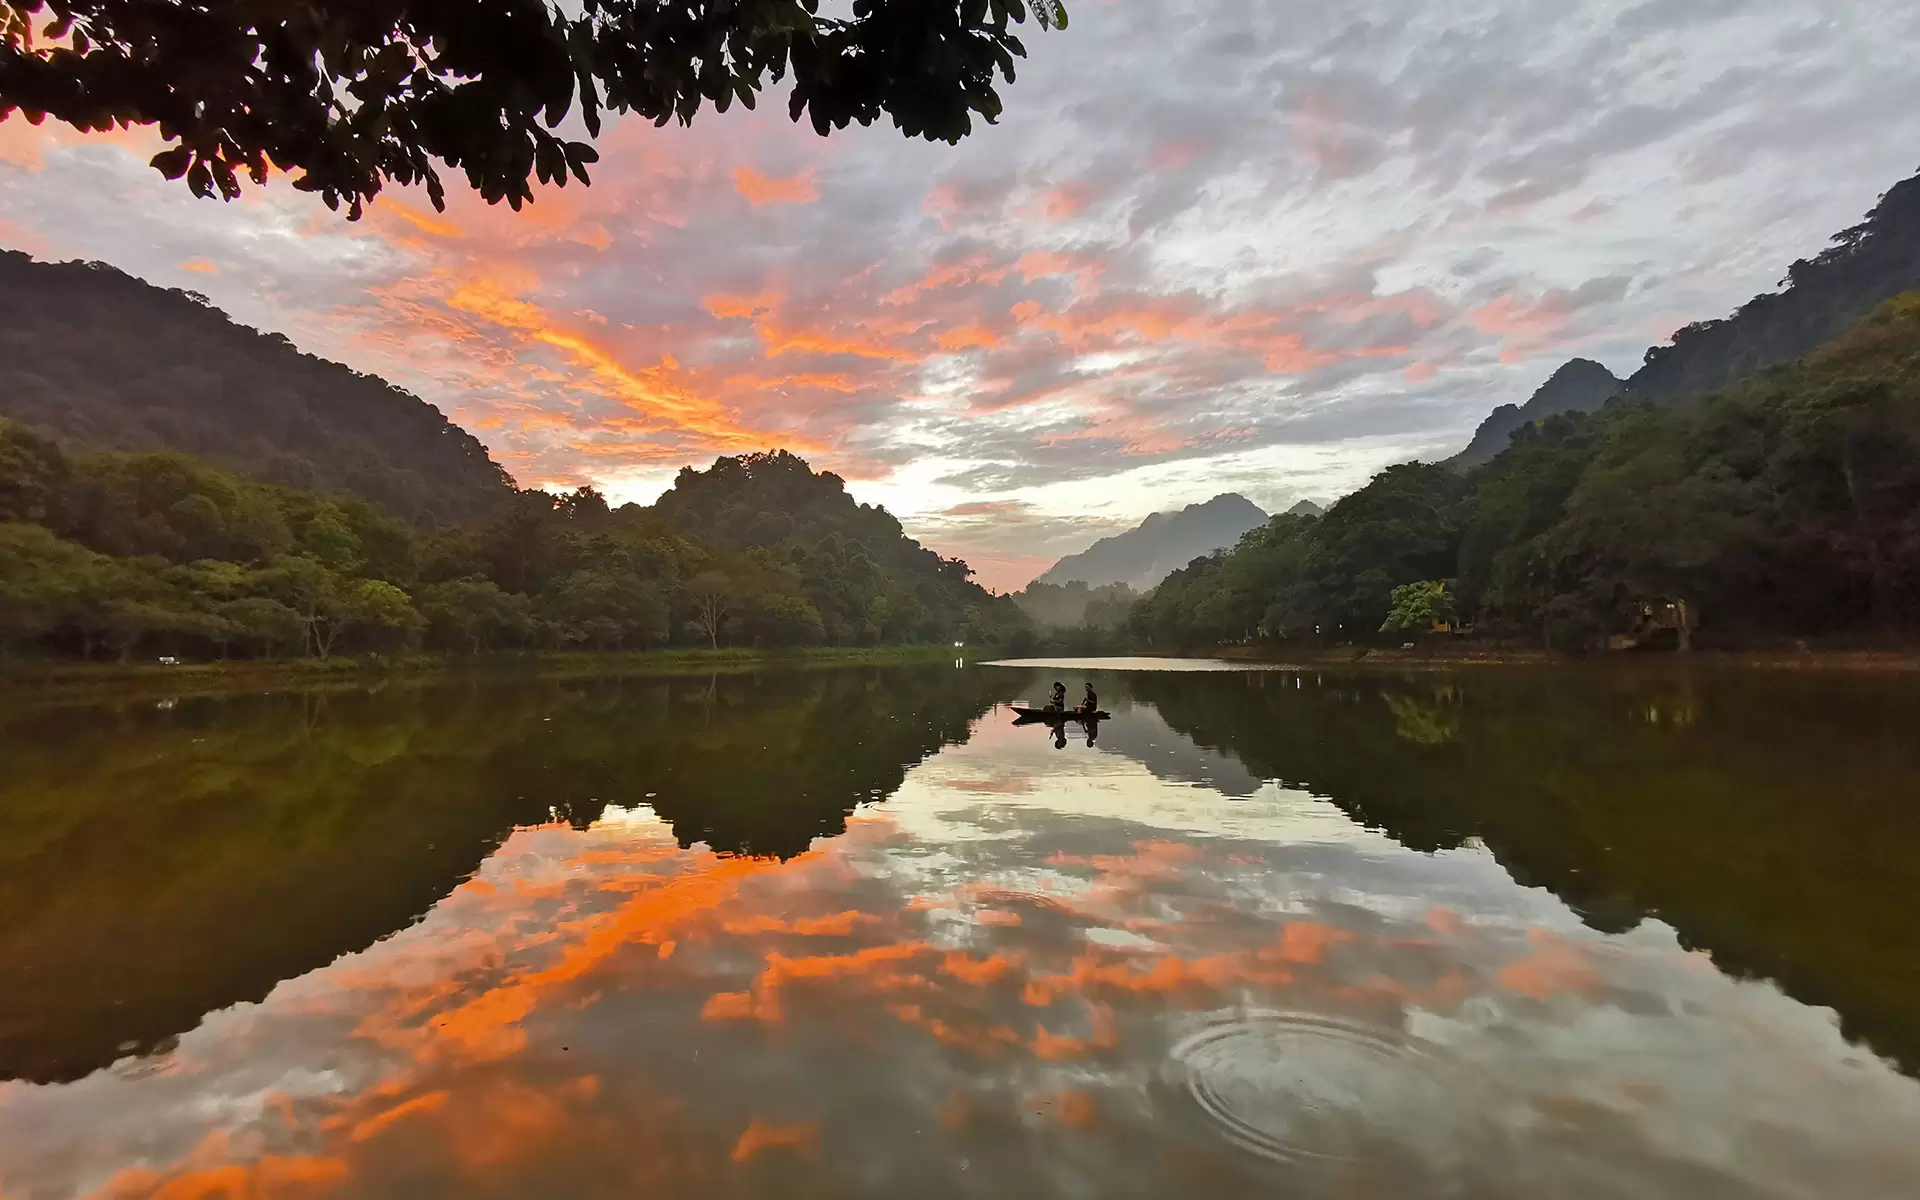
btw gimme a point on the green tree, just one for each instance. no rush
(779, 619)
(34, 475)
(377, 611)
(712, 596)
(311, 591)
(473, 615)
(1419, 607)
(42, 580)
(262, 627)
(605, 609)
(348, 97)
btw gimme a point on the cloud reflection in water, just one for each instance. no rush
(1029, 971)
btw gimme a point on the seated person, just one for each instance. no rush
(1090, 703)
(1058, 701)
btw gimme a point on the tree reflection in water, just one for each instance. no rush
(1130, 968)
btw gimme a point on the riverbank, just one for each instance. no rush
(192, 678)
(1435, 656)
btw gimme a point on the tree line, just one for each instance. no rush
(1784, 507)
(114, 554)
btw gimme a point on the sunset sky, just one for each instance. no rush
(1259, 245)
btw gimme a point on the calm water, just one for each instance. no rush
(854, 933)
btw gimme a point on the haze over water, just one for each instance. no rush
(851, 932)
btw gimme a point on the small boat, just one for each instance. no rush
(1055, 716)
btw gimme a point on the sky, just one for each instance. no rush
(1265, 246)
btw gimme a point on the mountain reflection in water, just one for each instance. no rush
(670, 948)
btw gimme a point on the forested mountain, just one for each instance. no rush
(100, 360)
(1580, 386)
(1819, 299)
(866, 577)
(119, 552)
(1785, 507)
(1142, 556)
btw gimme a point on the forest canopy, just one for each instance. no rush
(1785, 507)
(116, 553)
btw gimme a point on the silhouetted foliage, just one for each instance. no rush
(348, 96)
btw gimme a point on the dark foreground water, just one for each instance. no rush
(852, 933)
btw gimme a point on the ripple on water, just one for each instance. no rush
(1307, 1088)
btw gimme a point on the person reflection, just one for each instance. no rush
(1060, 736)
(1093, 731)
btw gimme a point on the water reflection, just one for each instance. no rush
(156, 863)
(1131, 969)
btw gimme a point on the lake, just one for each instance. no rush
(854, 932)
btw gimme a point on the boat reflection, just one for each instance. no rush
(1146, 968)
(1024, 967)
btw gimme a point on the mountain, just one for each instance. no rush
(799, 532)
(1580, 386)
(1164, 542)
(1820, 299)
(100, 360)
(1306, 508)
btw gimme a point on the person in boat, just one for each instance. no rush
(1090, 703)
(1058, 701)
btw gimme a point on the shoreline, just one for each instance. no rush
(1875, 661)
(40, 679)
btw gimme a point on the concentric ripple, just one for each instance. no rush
(1303, 1087)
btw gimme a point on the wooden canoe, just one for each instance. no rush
(1056, 716)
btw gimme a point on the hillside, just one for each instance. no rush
(131, 554)
(865, 577)
(1785, 507)
(1819, 299)
(1144, 555)
(1580, 386)
(100, 360)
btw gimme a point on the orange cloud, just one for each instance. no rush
(425, 222)
(805, 381)
(962, 337)
(781, 340)
(1524, 327)
(1065, 201)
(199, 266)
(654, 392)
(761, 189)
(972, 270)
(21, 144)
(759, 1136)
(726, 305)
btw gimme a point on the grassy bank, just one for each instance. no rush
(30, 677)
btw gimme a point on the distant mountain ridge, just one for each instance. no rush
(1164, 542)
(100, 360)
(1581, 385)
(1820, 298)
